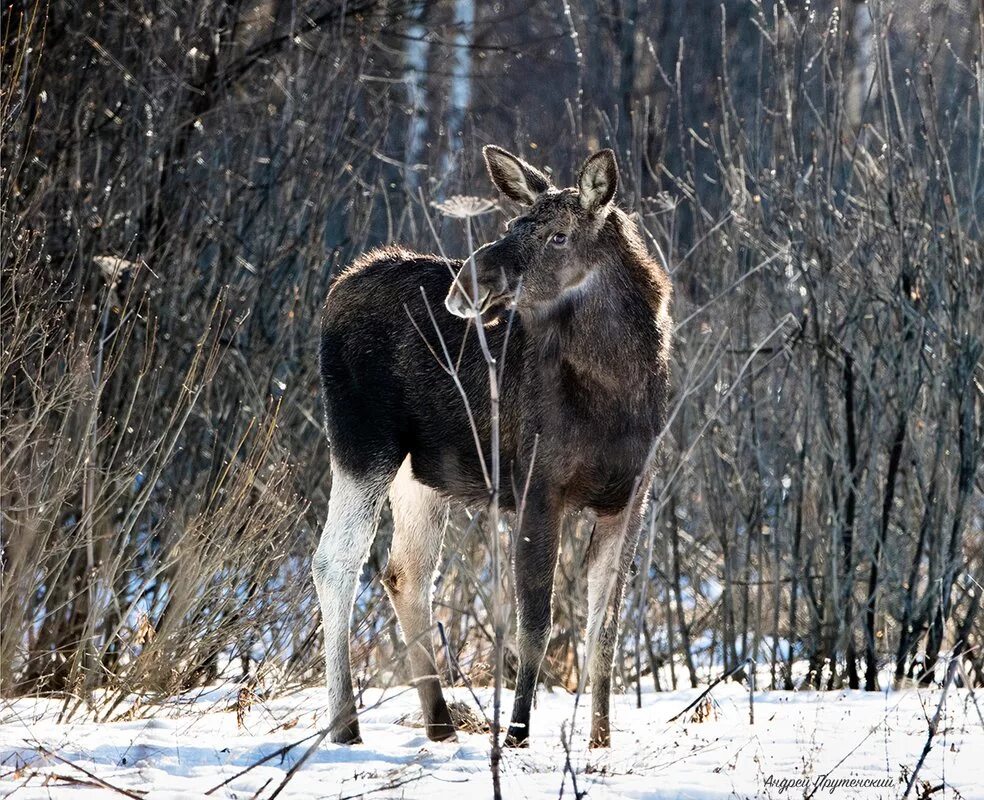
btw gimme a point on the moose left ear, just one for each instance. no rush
(598, 180)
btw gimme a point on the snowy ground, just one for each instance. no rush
(194, 744)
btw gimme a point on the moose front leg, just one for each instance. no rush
(535, 559)
(612, 548)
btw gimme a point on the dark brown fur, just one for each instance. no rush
(584, 383)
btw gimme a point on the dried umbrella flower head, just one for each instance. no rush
(465, 207)
(113, 267)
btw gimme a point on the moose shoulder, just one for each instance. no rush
(583, 392)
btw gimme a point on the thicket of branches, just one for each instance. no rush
(182, 180)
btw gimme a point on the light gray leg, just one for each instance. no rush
(609, 559)
(353, 514)
(420, 516)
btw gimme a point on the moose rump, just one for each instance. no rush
(386, 386)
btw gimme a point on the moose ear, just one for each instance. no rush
(598, 181)
(515, 178)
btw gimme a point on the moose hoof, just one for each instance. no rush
(517, 738)
(441, 733)
(345, 734)
(439, 723)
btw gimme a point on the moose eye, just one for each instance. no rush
(558, 239)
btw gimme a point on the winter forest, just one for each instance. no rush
(182, 182)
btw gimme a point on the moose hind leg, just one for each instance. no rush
(419, 518)
(609, 558)
(353, 513)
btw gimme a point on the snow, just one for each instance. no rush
(194, 743)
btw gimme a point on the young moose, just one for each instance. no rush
(583, 390)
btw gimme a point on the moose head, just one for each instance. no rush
(548, 253)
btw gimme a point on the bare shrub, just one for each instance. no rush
(812, 174)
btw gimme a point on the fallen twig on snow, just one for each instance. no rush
(136, 794)
(282, 751)
(934, 724)
(708, 690)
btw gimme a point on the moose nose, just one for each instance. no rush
(459, 303)
(468, 294)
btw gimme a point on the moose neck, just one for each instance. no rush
(600, 331)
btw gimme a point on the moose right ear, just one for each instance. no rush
(515, 178)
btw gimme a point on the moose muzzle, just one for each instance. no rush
(477, 286)
(467, 297)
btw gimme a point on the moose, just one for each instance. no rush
(577, 315)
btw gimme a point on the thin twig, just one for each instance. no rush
(934, 724)
(707, 691)
(136, 794)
